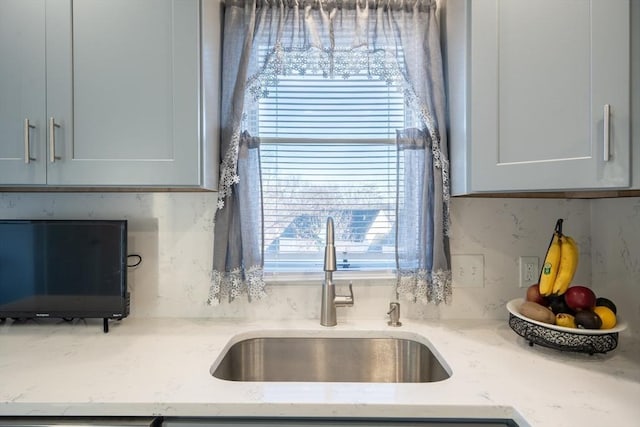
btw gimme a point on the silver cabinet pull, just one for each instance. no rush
(607, 129)
(27, 151)
(52, 140)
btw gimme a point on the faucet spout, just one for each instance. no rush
(329, 249)
(329, 298)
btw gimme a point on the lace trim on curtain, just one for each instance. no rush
(425, 287)
(333, 63)
(439, 160)
(236, 285)
(380, 64)
(229, 167)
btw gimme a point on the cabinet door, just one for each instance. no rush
(22, 92)
(541, 74)
(123, 86)
(330, 422)
(635, 95)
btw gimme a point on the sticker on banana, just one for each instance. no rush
(550, 266)
(568, 265)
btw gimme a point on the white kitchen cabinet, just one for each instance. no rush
(635, 94)
(528, 82)
(121, 103)
(22, 92)
(333, 422)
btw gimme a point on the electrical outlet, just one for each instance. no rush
(467, 271)
(529, 271)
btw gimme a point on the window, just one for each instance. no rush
(328, 149)
(325, 87)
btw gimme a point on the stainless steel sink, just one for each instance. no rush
(330, 359)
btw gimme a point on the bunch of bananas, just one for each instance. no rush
(560, 264)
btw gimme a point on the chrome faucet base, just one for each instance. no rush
(330, 301)
(328, 309)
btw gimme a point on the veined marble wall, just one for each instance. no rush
(173, 233)
(615, 241)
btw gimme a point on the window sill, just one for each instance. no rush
(381, 278)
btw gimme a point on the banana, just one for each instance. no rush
(568, 265)
(566, 320)
(550, 266)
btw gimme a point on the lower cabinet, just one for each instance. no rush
(332, 422)
(245, 422)
(80, 421)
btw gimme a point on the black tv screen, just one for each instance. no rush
(63, 268)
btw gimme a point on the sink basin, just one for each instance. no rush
(330, 359)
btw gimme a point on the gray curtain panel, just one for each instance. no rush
(422, 247)
(394, 40)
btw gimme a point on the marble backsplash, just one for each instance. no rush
(615, 241)
(173, 232)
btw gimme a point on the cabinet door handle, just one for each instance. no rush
(52, 140)
(607, 131)
(27, 151)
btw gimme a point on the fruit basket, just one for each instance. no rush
(589, 341)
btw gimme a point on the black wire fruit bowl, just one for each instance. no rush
(589, 341)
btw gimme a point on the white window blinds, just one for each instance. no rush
(328, 149)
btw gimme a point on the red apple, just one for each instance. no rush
(533, 294)
(580, 298)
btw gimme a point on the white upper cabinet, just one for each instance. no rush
(122, 105)
(22, 92)
(539, 94)
(635, 95)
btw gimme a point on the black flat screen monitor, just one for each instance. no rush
(63, 268)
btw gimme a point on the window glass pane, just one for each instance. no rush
(328, 149)
(304, 183)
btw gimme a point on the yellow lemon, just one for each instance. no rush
(607, 316)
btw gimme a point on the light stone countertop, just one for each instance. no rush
(161, 367)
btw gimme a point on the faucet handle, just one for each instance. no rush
(345, 300)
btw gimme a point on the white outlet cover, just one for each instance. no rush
(529, 271)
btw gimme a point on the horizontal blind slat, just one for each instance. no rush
(312, 106)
